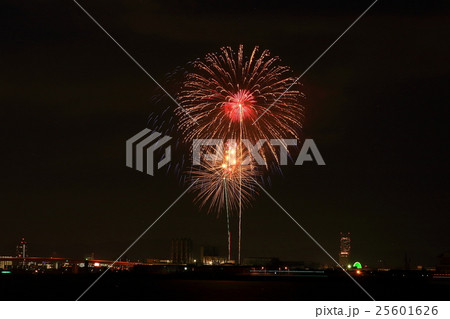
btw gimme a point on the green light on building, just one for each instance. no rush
(357, 265)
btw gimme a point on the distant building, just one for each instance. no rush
(208, 251)
(443, 266)
(344, 250)
(181, 252)
(214, 260)
(22, 248)
(5, 264)
(209, 255)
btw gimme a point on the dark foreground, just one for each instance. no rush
(133, 286)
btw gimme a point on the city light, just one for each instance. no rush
(357, 265)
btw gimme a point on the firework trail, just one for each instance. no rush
(225, 183)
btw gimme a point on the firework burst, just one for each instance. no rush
(223, 182)
(226, 92)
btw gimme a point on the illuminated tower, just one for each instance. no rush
(344, 251)
(22, 251)
(22, 248)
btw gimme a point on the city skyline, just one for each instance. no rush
(185, 251)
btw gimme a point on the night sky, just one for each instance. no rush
(376, 106)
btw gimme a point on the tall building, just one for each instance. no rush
(22, 248)
(181, 252)
(344, 250)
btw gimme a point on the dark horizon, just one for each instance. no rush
(376, 106)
